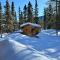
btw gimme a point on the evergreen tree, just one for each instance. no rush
(36, 12)
(19, 14)
(9, 22)
(48, 16)
(45, 18)
(15, 21)
(30, 14)
(13, 14)
(21, 18)
(50, 12)
(7, 9)
(0, 11)
(12, 9)
(58, 16)
(25, 13)
(1, 19)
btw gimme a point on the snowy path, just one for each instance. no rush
(44, 47)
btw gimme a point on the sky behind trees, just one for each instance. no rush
(21, 3)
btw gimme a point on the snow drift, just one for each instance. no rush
(16, 46)
(12, 50)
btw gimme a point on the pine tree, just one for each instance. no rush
(1, 19)
(7, 9)
(45, 18)
(49, 16)
(13, 10)
(19, 15)
(21, 18)
(25, 13)
(30, 14)
(9, 22)
(50, 12)
(13, 14)
(0, 11)
(15, 21)
(58, 16)
(36, 12)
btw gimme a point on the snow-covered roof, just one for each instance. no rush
(28, 23)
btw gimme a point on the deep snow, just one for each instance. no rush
(44, 46)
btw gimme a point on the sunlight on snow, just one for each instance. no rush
(59, 33)
(51, 50)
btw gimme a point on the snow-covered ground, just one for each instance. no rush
(44, 46)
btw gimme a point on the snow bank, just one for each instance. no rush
(51, 32)
(17, 46)
(12, 50)
(3, 35)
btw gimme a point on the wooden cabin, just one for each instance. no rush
(30, 29)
